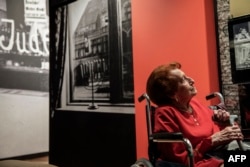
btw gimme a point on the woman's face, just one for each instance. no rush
(186, 89)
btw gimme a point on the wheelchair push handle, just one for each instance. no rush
(142, 97)
(220, 105)
(215, 94)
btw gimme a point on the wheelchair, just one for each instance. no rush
(154, 138)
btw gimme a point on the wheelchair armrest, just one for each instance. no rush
(172, 137)
(167, 136)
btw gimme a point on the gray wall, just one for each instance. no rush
(24, 124)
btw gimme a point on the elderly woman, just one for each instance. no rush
(178, 111)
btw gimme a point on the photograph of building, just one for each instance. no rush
(90, 56)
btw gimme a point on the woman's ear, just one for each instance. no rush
(174, 98)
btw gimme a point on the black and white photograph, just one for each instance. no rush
(99, 51)
(242, 45)
(24, 45)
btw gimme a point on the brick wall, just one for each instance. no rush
(229, 90)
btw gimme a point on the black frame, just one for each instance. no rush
(240, 48)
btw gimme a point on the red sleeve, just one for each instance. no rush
(166, 119)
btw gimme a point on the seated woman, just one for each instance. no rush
(178, 111)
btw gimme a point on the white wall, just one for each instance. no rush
(24, 123)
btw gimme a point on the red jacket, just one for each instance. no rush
(197, 127)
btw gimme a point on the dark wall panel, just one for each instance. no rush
(79, 139)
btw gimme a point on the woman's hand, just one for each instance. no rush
(221, 115)
(227, 135)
